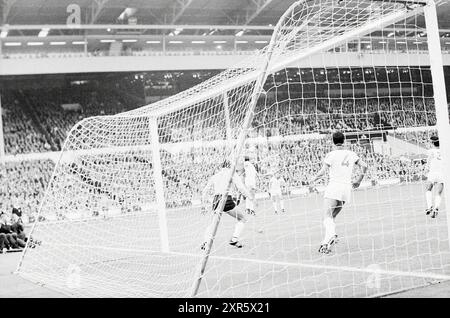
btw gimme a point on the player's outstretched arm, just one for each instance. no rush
(360, 178)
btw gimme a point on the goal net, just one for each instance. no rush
(122, 215)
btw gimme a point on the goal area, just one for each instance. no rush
(122, 213)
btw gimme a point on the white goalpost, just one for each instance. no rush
(440, 94)
(121, 215)
(159, 185)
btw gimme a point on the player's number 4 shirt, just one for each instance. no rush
(341, 163)
(435, 161)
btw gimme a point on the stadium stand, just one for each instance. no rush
(27, 179)
(52, 121)
(35, 122)
(25, 186)
(291, 117)
(20, 133)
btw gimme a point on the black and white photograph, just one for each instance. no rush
(203, 150)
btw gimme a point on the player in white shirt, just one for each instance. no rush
(340, 163)
(276, 182)
(250, 175)
(435, 180)
(218, 183)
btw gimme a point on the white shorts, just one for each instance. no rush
(435, 177)
(275, 194)
(338, 191)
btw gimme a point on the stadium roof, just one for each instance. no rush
(110, 18)
(255, 12)
(159, 12)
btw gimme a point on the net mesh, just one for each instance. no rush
(354, 65)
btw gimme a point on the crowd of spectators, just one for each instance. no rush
(58, 122)
(417, 137)
(321, 115)
(300, 116)
(128, 183)
(297, 161)
(22, 134)
(25, 185)
(272, 116)
(185, 171)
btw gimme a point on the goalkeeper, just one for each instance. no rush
(218, 183)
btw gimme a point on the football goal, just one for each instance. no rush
(121, 216)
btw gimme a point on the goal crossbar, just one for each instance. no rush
(150, 160)
(233, 83)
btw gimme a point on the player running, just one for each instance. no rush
(250, 182)
(218, 183)
(435, 180)
(276, 182)
(340, 163)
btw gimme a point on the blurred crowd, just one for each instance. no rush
(35, 122)
(321, 115)
(20, 134)
(25, 186)
(301, 116)
(128, 182)
(297, 162)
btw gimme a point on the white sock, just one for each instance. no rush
(437, 201)
(275, 205)
(429, 198)
(238, 228)
(330, 229)
(282, 204)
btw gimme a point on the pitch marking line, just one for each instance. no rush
(277, 263)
